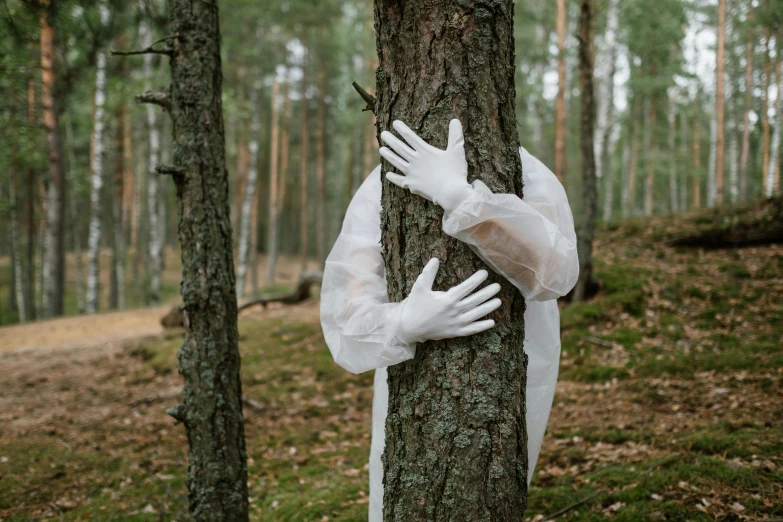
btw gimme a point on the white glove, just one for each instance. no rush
(440, 176)
(427, 315)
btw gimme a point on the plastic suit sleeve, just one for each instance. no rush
(359, 324)
(530, 242)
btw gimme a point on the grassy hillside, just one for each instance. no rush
(668, 406)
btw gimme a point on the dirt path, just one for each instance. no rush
(82, 331)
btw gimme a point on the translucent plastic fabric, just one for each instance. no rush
(532, 243)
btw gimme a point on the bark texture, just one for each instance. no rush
(586, 234)
(209, 358)
(456, 439)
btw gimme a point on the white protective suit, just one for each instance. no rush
(533, 246)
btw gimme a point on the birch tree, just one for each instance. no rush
(96, 174)
(249, 195)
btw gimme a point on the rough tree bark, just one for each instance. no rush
(209, 358)
(456, 439)
(560, 103)
(586, 234)
(53, 264)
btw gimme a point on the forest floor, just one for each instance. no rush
(668, 405)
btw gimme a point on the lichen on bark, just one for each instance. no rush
(456, 440)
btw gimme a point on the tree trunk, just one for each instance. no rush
(273, 178)
(73, 213)
(250, 190)
(649, 189)
(608, 166)
(16, 250)
(673, 181)
(53, 265)
(447, 456)
(96, 177)
(209, 358)
(745, 155)
(303, 164)
(154, 258)
(117, 300)
(560, 104)
(32, 183)
(696, 176)
(765, 105)
(629, 193)
(320, 167)
(605, 82)
(713, 163)
(719, 105)
(772, 167)
(589, 189)
(684, 159)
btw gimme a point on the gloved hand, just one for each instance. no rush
(440, 176)
(427, 315)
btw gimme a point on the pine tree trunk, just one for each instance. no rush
(154, 258)
(773, 175)
(117, 300)
(53, 246)
(605, 82)
(745, 154)
(719, 105)
(320, 167)
(304, 245)
(16, 251)
(673, 181)
(684, 159)
(712, 184)
(765, 106)
(273, 179)
(560, 103)
(696, 176)
(73, 214)
(446, 458)
(586, 234)
(608, 166)
(209, 358)
(629, 193)
(31, 263)
(246, 213)
(96, 177)
(649, 188)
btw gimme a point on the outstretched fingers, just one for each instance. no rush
(408, 135)
(394, 159)
(479, 297)
(477, 327)
(480, 311)
(397, 145)
(469, 284)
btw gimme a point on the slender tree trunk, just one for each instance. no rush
(712, 184)
(118, 239)
(32, 185)
(96, 178)
(719, 105)
(696, 176)
(74, 215)
(684, 159)
(246, 213)
(649, 189)
(209, 358)
(733, 143)
(320, 167)
(605, 81)
(54, 241)
(673, 181)
(154, 257)
(16, 250)
(560, 104)
(629, 202)
(745, 155)
(273, 179)
(765, 106)
(303, 165)
(589, 188)
(773, 175)
(447, 459)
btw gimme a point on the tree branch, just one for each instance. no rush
(366, 96)
(170, 170)
(168, 51)
(155, 98)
